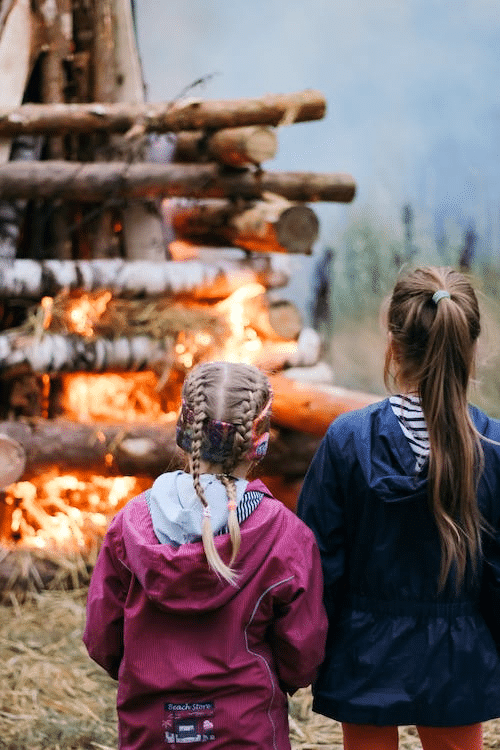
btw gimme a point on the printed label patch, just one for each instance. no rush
(188, 722)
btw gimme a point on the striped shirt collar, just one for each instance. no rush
(408, 411)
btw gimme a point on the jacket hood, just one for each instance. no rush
(384, 454)
(176, 510)
(175, 576)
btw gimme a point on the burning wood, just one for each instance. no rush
(134, 449)
(93, 181)
(273, 225)
(163, 117)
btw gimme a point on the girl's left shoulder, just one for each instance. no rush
(485, 425)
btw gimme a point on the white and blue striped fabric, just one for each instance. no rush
(411, 419)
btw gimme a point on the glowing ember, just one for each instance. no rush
(112, 397)
(85, 311)
(72, 511)
(65, 512)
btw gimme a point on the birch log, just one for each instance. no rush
(31, 279)
(55, 353)
(80, 181)
(236, 147)
(163, 117)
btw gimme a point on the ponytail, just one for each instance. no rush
(434, 322)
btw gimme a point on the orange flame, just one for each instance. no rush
(84, 312)
(69, 511)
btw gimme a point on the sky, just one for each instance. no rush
(412, 91)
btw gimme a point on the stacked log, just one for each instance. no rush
(100, 215)
(148, 448)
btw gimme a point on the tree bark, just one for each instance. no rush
(116, 180)
(266, 226)
(236, 147)
(30, 279)
(145, 449)
(163, 117)
(55, 353)
(58, 48)
(104, 53)
(143, 232)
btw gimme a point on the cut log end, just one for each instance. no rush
(297, 229)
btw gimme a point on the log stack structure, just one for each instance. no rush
(162, 210)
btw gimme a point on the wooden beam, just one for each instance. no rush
(117, 180)
(163, 117)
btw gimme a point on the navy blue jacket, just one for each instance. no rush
(398, 652)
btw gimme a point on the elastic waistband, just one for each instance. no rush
(408, 607)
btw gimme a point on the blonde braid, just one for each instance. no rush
(232, 519)
(242, 444)
(199, 410)
(234, 393)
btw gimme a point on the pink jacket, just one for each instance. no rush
(198, 660)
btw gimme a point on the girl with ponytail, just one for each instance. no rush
(206, 599)
(404, 500)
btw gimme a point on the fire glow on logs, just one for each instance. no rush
(68, 512)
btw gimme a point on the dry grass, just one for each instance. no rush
(53, 697)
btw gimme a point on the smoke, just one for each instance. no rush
(412, 91)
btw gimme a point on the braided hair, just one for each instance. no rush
(233, 394)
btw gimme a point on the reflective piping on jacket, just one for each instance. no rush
(254, 653)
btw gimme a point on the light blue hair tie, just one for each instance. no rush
(440, 294)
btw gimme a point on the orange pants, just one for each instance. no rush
(368, 737)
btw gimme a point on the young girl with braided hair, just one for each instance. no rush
(206, 599)
(404, 501)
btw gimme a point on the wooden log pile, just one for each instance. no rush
(99, 190)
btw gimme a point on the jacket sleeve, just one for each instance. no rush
(298, 632)
(103, 634)
(320, 506)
